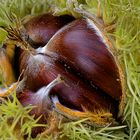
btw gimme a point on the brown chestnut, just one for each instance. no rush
(38, 30)
(82, 47)
(40, 99)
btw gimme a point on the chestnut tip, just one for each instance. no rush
(59, 79)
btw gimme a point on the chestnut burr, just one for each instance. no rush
(83, 55)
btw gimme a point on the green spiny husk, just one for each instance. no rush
(125, 15)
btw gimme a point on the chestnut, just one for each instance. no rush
(82, 47)
(38, 30)
(40, 99)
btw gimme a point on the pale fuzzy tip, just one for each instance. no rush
(44, 91)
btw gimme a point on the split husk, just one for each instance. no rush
(126, 36)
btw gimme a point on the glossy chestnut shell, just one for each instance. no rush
(38, 30)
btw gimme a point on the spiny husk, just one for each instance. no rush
(128, 55)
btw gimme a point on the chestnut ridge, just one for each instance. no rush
(132, 92)
(14, 35)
